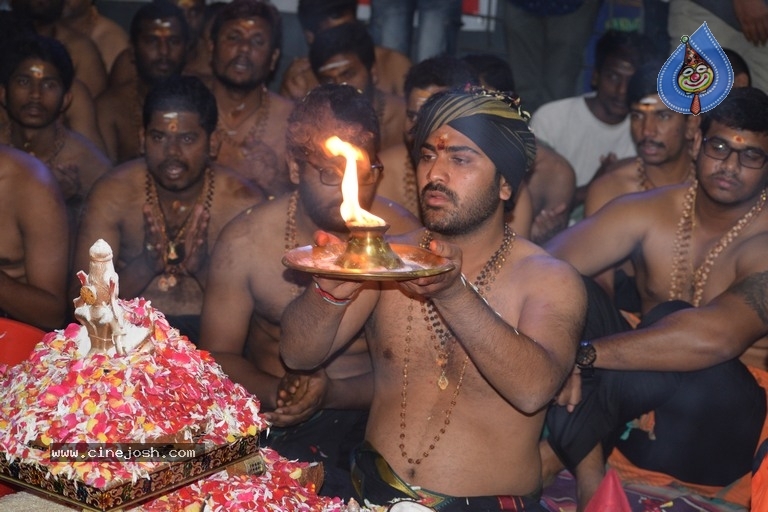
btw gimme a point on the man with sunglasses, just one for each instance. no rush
(319, 415)
(698, 357)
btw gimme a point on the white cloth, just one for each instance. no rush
(569, 128)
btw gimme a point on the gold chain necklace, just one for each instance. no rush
(410, 190)
(647, 184)
(173, 246)
(290, 222)
(380, 104)
(290, 235)
(680, 286)
(444, 340)
(256, 133)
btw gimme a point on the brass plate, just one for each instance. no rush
(320, 261)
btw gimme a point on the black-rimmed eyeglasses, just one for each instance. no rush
(717, 148)
(333, 177)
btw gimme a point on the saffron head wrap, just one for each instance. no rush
(493, 120)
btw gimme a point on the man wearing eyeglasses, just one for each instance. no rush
(319, 415)
(701, 351)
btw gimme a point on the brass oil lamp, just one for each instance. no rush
(366, 254)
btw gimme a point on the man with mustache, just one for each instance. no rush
(664, 141)
(464, 362)
(698, 359)
(318, 415)
(162, 213)
(46, 17)
(345, 54)
(36, 75)
(591, 131)
(246, 36)
(159, 36)
(81, 114)
(198, 59)
(422, 81)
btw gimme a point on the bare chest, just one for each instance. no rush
(274, 287)
(260, 159)
(691, 267)
(407, 336)
(11, 244)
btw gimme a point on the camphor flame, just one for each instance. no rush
(350, 209)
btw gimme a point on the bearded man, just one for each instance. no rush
(466, 356)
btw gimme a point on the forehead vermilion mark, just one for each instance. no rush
(335, 65)
(161, 27)
(441, 142)
(186, 4)
(36, 70)
(644, 108)
(171, 120)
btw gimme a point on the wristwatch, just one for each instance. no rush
(585, 358)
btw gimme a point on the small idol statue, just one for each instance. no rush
(97, 307)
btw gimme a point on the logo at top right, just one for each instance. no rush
(697, 76)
